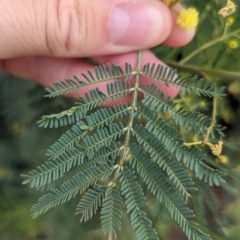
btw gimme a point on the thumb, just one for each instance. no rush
(80, 28)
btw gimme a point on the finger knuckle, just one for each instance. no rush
(70, 31)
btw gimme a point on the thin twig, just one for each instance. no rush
(214, 114)
(133, 104)
(207, 45)
(227, 75)
(125, 150)
(193, 143)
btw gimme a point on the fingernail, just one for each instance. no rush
(136, 24)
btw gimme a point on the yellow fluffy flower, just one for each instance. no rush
(187, 18)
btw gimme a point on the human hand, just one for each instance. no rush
(45, 40)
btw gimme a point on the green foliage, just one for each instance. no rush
(90, 202)
(70, 189)
(207, 199)
(111, 212)
(159, 155)
(195, 122)
(110, 153)
(186, 85)
(22, 144)
(135, 200)
(165, 193)
(102, 74)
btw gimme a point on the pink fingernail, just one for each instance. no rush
(135, 24)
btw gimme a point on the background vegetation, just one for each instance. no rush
(211, 54)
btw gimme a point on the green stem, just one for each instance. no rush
(227, 75)
(110, 236)
(125, 152)
(193, 143)
(207, 45)
(214, 114)
(134, 102)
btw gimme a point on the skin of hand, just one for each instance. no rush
(47, 41)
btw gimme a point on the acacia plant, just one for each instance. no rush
(112, 156)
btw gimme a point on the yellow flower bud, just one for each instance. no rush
(223, 159)
(230, 21)
(195, 138)
(233, 44)
(202, 104)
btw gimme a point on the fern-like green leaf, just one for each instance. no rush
(102, 138)
(118, 89)
(78, 131)
(158, 154)
(91, 201)
(162, 73)
(66, 86)
(187, 85)
(68, 140)
(212, 202)
(168, 135)
(135, 200)
(111, 212)
(193, 121)
(193, 157)
(165, 193)
(105, 116)
(199, 209)
(93, 98)
(155, 151)
(103, 155)
(102, 74)
(71, 188)
(54, 169)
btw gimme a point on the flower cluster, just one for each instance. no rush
(216, 148)
(228, 9)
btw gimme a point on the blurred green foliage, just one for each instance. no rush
(23, 144)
